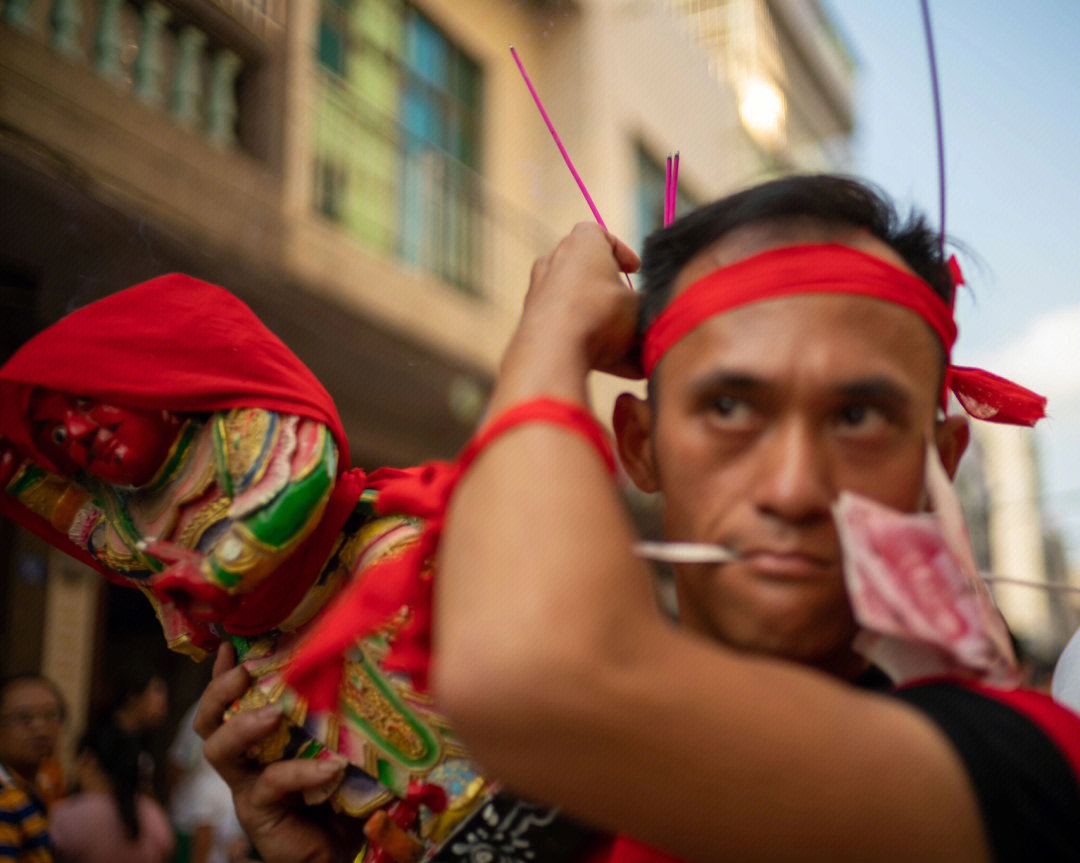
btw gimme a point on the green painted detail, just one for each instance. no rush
(224, 577)
(29, 477)
(388, 775)
(221, 448)
(311, 749)
(179, 451)
(431, 750)
(277, 523)
(242, 645)
(114, 504)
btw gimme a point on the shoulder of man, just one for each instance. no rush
(1021, 749)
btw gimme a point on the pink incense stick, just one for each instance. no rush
(674, 184)
(558, 141)
(667, 193)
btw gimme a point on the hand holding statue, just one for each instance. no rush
(268, 798)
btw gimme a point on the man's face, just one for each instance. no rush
(762, 416)
(30, 722)
(121, 446)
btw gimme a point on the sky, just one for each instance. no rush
(1009, 75)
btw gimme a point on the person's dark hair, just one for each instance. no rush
(130, 676)
(821, 198)
(29, 676)
(118, 757)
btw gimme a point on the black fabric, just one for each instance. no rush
(1027, 791)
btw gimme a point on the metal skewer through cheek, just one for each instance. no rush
(685, 552)
(703, 552)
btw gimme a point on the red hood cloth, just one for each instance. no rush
(179, 344)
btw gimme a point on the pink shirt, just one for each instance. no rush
(87, 828)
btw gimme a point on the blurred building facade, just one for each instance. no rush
(370, 176)
(1000, 489)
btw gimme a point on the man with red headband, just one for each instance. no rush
(796, 338)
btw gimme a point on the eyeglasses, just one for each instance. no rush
(49, 716)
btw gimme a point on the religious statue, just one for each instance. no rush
(164, 436)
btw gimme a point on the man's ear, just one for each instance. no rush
(952, 436)
(632, 421)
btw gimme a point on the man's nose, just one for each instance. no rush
(795, 481)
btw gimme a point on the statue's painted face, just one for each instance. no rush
(121, 446)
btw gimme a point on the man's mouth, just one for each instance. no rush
(788, 564)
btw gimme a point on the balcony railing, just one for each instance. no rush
(263, 18)
(145, 50)
(399, 195)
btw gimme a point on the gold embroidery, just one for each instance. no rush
(203, 518)
(43, 496)
(370, 704)
(247, 441)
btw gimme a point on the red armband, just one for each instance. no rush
(544, 409)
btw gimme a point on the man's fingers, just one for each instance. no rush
(282, 778)
(222, 691)
(224, 659)
(627, 258)
(539, 269)
(226, 749)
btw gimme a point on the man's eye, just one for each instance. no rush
(731, 411)
(854, 415)
(861, 418)
(725, 406)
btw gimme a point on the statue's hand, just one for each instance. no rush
(188, 602)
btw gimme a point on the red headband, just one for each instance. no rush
(836, 269)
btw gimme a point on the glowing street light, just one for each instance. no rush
(762, 110)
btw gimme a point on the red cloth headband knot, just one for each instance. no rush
(837, 269)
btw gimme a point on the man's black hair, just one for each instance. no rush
(825, 198)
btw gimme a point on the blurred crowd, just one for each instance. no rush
(111, 802)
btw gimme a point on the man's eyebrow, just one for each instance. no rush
(879, 390)
(730, 381)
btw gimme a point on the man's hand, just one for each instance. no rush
(579, 315)
(267, 797)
